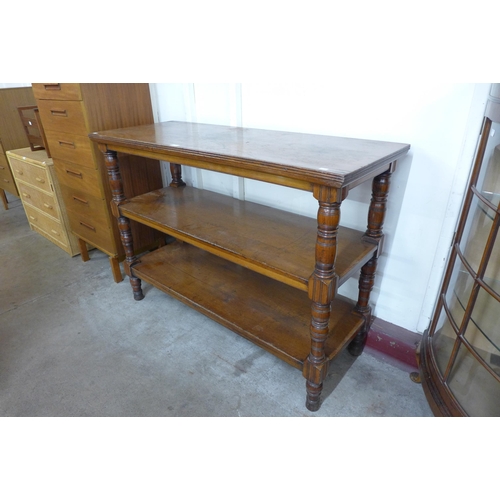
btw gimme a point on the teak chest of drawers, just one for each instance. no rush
(269, 275)
(12, 135)
(69, 112)
(39, 191)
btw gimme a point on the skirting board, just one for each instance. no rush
(394, 341)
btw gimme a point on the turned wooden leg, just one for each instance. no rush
(115, 182)
(373, 234)
(322, 288)
(4, 199)
(82, 245)
(130, 258)
(176, 172)
(366, 281)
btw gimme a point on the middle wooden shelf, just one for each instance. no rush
(272, 242)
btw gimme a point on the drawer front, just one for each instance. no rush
(39, 199)
(96, 233)
(6, 180)
(84, 203)
(31, 174)
(78, 177)
(53, 228)
(72, 148)
(63, 116)
(66, 91)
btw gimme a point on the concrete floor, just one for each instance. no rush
(74, 343)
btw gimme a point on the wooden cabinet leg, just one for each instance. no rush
(373, 234)
(4, 199)
(82, 245)
(116, 185)
(322, 288)
(115, 269)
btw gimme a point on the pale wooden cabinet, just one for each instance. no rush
(12, 135)
(39, 191)
(69, 112)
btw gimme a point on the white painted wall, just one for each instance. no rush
(10, 85)
(440, 121)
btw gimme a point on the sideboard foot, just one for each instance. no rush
(357, 344)
(313, 399)
(136, 288)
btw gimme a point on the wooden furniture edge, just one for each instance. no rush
(295, 177)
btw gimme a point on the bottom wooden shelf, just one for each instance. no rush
(270, 314)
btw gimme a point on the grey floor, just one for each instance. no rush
(74, 343)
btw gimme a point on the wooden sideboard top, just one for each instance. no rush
(288, 158)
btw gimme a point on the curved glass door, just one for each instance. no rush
(464, 335)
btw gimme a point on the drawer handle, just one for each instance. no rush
(33, 218)
(58, 112)
(50, 207)
(67, 144)
(52, 86)
(85, 202)
(3, 168)
(75, 174)
(54, 231)
(88, 226)
(26, 195)
(6, 180)
(42, 181)
(20, 172)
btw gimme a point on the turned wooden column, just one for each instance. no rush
(322, 288)
(176, 172)
(116, 184)
(373, 234)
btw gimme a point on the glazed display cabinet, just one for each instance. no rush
(460, 352)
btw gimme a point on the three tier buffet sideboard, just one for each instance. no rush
(269, 275)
